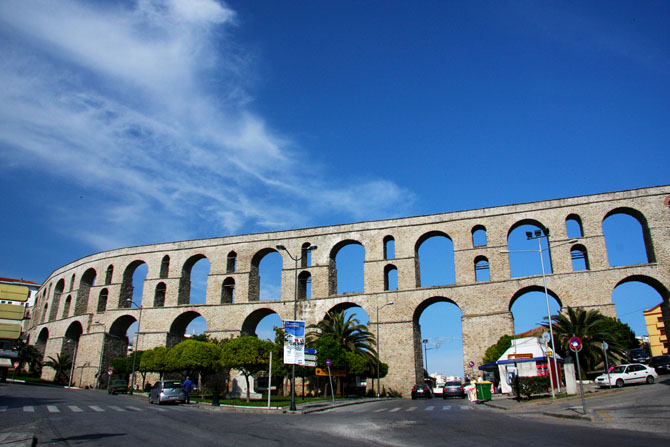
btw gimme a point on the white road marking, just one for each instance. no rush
(411, 409)
(379, 410)
(3, 408)
(134, 408)
(75, 409)
(466, 407)
(28, 409)
(429, 408)
(53, 409)
(114, 407)
(446, 407)
(394, 410)
(96, 408)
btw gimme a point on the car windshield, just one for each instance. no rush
(171, 385)
(118, 382)
(661, 359)
(618, 370)
(453, 384)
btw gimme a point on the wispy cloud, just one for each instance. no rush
(147, 105)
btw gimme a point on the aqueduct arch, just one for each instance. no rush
(390, 246)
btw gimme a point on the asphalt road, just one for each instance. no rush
(85, 417)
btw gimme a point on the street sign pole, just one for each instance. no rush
(607, 366)
(330, 377)
(576, 346)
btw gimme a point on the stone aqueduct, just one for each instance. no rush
(86, 302)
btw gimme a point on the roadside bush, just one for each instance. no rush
(534, 385)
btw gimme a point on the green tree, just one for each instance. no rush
(61, 364)
(155, 360)
(248, 354)
(194, 357)
(494, 352)
(592, 328)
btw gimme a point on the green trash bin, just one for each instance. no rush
(484, 391)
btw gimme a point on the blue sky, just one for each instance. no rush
(133, 122)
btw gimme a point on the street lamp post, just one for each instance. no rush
(295, 307)
(425, 352)
(378, 344)
(102, 351)
(539, 235)
(137, 339)
(74, 359)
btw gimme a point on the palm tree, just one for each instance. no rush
(351, 335)
(592, 328)
(61, 363)
(28, 355)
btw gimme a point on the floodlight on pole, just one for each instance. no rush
(539, 235)
(390, 303)
(137, 338)
(306, 250)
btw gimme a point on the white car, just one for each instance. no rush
(628, 373)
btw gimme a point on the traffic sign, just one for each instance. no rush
(605, 346)
(310, 351)
(546, 337)
(310, 364)
(575, 344)
(333, 372)
(329, 362)
(16, 365)
(310, 358)
(471, 364)
(110, 371)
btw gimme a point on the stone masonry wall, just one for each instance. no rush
(485, 306)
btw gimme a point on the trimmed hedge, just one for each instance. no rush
(534, 385)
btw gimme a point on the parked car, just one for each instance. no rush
(453, 389)
(421, 390)
(167, 391)
(661, 363)
(629, 373)
(639, 355)
(118, 387)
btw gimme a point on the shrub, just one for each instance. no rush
(533, 385)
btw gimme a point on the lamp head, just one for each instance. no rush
(529, 234)
(280, 247)
(312, 247)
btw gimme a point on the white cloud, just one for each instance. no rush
(144, 105)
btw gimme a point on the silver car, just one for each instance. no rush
(167, 391)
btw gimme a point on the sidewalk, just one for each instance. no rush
(566, 407)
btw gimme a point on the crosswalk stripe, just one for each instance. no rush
(430, 408)
(28, 409)
(75, 409)
(379, 410)
(394, 410)
(465, 407)
(96, 408)
(446, 407)
(3, 408)
(114, 407)
(53, 409)
(411, 409)
(134, 408)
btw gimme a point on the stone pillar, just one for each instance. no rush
(482, 331)
(396, 337)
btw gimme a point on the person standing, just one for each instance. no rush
(188, 386)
